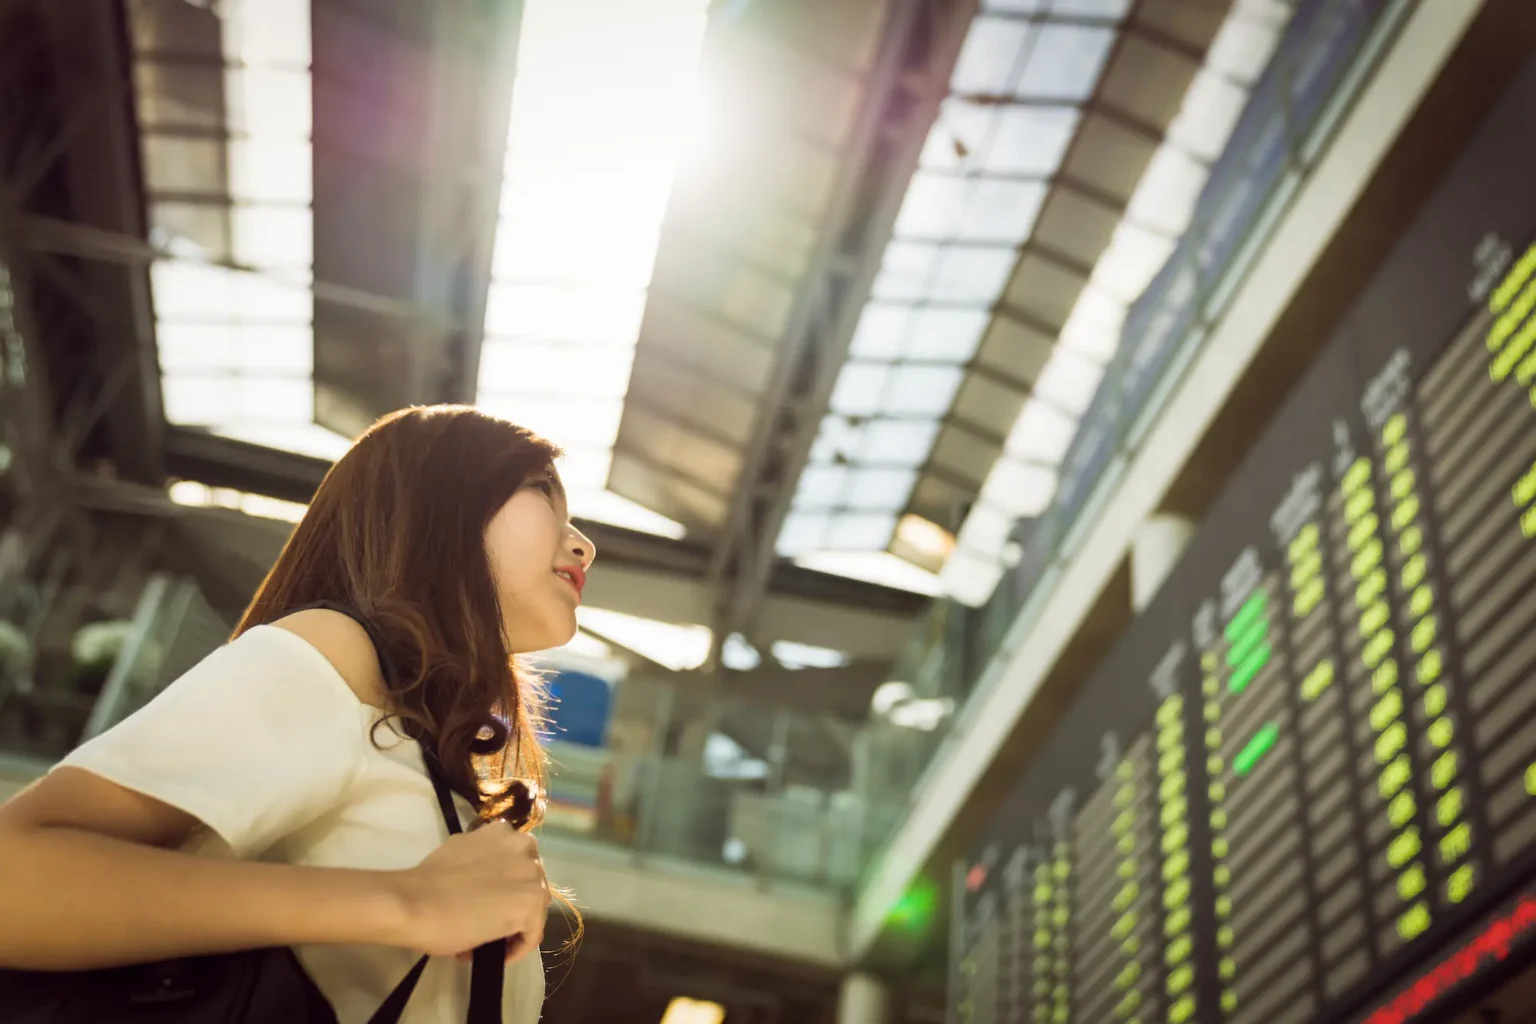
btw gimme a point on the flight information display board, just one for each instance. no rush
(1306, 774)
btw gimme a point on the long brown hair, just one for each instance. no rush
(396, 531)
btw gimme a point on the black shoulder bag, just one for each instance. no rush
(254, 987)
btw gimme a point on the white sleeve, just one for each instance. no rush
(258, 739)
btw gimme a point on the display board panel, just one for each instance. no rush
(1308, 769)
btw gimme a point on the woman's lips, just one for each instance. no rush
(574, 575)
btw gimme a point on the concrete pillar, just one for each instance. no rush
(863, 1000)
(1154, 551)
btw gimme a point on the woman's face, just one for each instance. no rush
(539, 562)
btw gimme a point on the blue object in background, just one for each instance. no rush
(579, 707)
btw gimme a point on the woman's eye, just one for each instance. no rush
(546, 486)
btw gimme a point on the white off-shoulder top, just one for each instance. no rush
(266, 745)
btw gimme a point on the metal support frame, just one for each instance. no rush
(460, 69)
(920, 43)
(67, 150)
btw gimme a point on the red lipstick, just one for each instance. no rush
(578, 576)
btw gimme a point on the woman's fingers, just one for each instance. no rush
(516, 947)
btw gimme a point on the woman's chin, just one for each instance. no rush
(557, 632)
(562, 633)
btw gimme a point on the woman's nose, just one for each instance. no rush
(580, 545)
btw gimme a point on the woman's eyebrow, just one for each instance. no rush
(559, 487)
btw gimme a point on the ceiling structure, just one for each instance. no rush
(811, 296)
(1055, 182)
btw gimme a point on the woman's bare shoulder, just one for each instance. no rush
(345, 644)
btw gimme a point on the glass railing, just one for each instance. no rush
(767, 792)
(66, 660)
(1326, 53)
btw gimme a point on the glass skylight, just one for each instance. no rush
(229, 198)
(1022, 482)
(677, 647)
(794, 655)
(982, 179)
(198, 495)
(603, 103)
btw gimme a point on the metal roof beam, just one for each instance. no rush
(410, 212)
(73, 156)
(919, 45)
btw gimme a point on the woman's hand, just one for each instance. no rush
(477, 887)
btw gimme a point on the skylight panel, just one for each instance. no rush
(859, 531)
(571, 422)
(569, 370)
(822, 485)
(1165, 199)
(587, 646)
(794, 655)
(906, 270)
(1019, 488)
(1020, 484)
(1094, 326)
(1131, 261)
(878, 567)
(1068, 380)
(882, 331)
(192, 494)
(802, 532)
(679, 647)
(897, 442)
(1017, 6)
(933, 206)
(238, 398)
(883, 488)
(1064, 62)
(970, 578)
(960, 134)
(1210, 112)
(271, 169)
(1042, 433)
(837, 439)
(941, 334)
(982, 180)
(1001, 210)
(859, 388)
(198, 294)
(989, 57)
(234, 185)
(617, 510)
(1030, 140)
(987, 528)
(603, 105)
(1108, 9)
(581, 314)
(1247, 39)
(971, 275)
(920, 390)
(278, 349)
(946, 335)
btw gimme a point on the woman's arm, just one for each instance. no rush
(87, 880)
(91, 874)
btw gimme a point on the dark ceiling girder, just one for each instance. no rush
(412, 103)
(917, 51)
(69, 153)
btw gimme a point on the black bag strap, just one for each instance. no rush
(488, 971)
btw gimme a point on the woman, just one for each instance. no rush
(272, 795)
